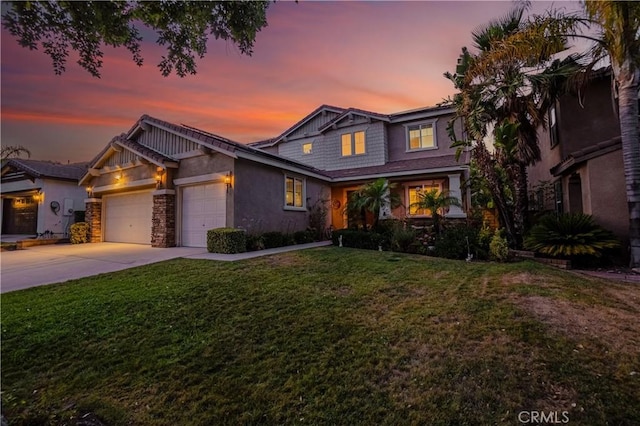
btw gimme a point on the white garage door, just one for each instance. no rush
(127, 217)
(204, 207)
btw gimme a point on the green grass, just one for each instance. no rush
(324, 336)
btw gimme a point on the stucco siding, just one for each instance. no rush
(128, 176)
(259, 199)
(608, 198)
(204, 164)
(398, 144)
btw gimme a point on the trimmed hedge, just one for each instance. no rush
(79, 233)
(226, 240)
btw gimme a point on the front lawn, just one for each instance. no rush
(324, 336)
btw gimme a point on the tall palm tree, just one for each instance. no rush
(619, 24)
(373, 197)
(511, 82)
(436, 202)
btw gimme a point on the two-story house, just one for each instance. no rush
(165, 184)
(581, 168)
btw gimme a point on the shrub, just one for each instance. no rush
(79, 233)
(457, 241)
(359, 239)
(570, 235)
(404, 240)
(254, 242)
(273, 239)
(499, 248)
(318, 219)
(226, 240)
(303, 237)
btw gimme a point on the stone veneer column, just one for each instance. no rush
(93, 217)
(163, 228)
(455, 191)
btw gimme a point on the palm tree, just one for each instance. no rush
(510, 83)
(619, 24)
(373, 197)
(436, 202)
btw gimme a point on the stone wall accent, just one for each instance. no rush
(93, 216)
(163, 232)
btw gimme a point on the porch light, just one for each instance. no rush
(38, 197)
(89, 190)
(228, 179)
(118, 177)
(159, 174)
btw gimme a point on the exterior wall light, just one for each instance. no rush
(89, 190)
(38, 197)
(159, 178)
(228, 179)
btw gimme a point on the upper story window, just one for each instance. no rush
(353, 143)
(414, 191)
(307, 148)
(421, 136)
(553, 126)
(294, 192)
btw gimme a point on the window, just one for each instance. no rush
(421, 136)
(307, 148)
(553, 126)
(353, 144)
(414, 196)
(293, 192)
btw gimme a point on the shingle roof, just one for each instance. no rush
(413, 166)
(577, 157)
(39, 169)
(143, 150)
(348, 111)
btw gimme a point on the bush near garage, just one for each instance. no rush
(79, 233)
(226, 240)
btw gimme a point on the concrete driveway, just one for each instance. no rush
(41, 265)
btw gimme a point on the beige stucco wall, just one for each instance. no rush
(608, 203)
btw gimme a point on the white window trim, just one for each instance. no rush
(302, 208)
(353, 144)
(407, 128)
(431, 182)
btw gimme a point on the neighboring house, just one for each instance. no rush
(40, 197)
(581, 168)
(167, 184)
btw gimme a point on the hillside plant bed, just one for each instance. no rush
(323, 336)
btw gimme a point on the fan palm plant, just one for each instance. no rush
(373, 197)
(436, 202)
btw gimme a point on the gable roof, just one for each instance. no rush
(296, 126)
(208, 140)
(350, 112)
(46, 169)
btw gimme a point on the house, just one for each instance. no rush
(581, 168)
(167, 184)
(40, 197)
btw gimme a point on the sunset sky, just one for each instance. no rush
(379, 56)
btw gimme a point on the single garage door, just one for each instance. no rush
(127, 217)
(204, 207)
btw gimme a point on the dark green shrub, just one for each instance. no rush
(457, 242)
(499, 247)
(570, 236)
(303, 237)
(79, 233)
(226, 240)
(360, 239)
(273, 239)
(404, 240)
(254, 242)
(318, 212)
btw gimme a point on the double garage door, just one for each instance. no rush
(128, 217)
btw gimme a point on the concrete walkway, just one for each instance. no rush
(50, 264)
